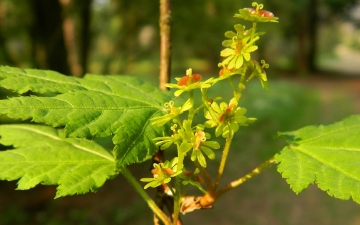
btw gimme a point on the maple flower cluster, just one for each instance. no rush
(224, 118)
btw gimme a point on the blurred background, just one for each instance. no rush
(314, 57)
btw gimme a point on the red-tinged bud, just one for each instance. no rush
(227, 111)
(239, 47)
(262, 13)
(186, 80)
(168, 171)
(225, 71)
(266, 14)
(199, 179)
(183, 81)
(256, 63)
(251, 10)
(197, 77)
(229, 108)
(221, 118)
(155, 171)
(188, 173)
(200, 135)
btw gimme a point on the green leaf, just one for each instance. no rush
(327, 155)
(43, 155)
(93, 106)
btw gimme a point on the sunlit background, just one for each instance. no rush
(314, 57)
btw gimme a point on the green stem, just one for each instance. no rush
(191, 110)
(177, 198)
(206, 103)
(223, 158)
(245, 178)
(253, 30)
(241, 86)
(145, 196)
(232, 84)
(206, 176)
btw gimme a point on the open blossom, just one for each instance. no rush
(260, 13)
(173, 113)
(256, 15)
(238, 52)
(201, 146)
(163, 172)
(226, 117)
(189, 82)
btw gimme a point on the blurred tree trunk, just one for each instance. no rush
(76, 16)
(49, 50)
(307, 28)
(313, 23)
(84, 32)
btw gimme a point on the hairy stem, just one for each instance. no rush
(165, 43)
(223, 158)
(245, 178)
(145, 196)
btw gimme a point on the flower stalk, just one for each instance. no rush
(139, 189)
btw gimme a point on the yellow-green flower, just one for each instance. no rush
(163, 172)
(200, 146)
(238, 51)
(189, 82)
(226, 117)
(173, 112)
(257, 14)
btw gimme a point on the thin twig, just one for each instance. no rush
(164, 77)
(165, 43)
(245, 178)
(223, 159)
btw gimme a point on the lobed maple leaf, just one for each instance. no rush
(93, 106)
(326, 155)
(43, 155)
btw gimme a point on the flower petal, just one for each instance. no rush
(233, 61)
(246, 56)
(230, 34)
(201, 159)
(239, 62)
(227, 52)
(210, 153)
(252, 48)
(211, 144)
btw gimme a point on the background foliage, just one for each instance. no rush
(110, 36)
